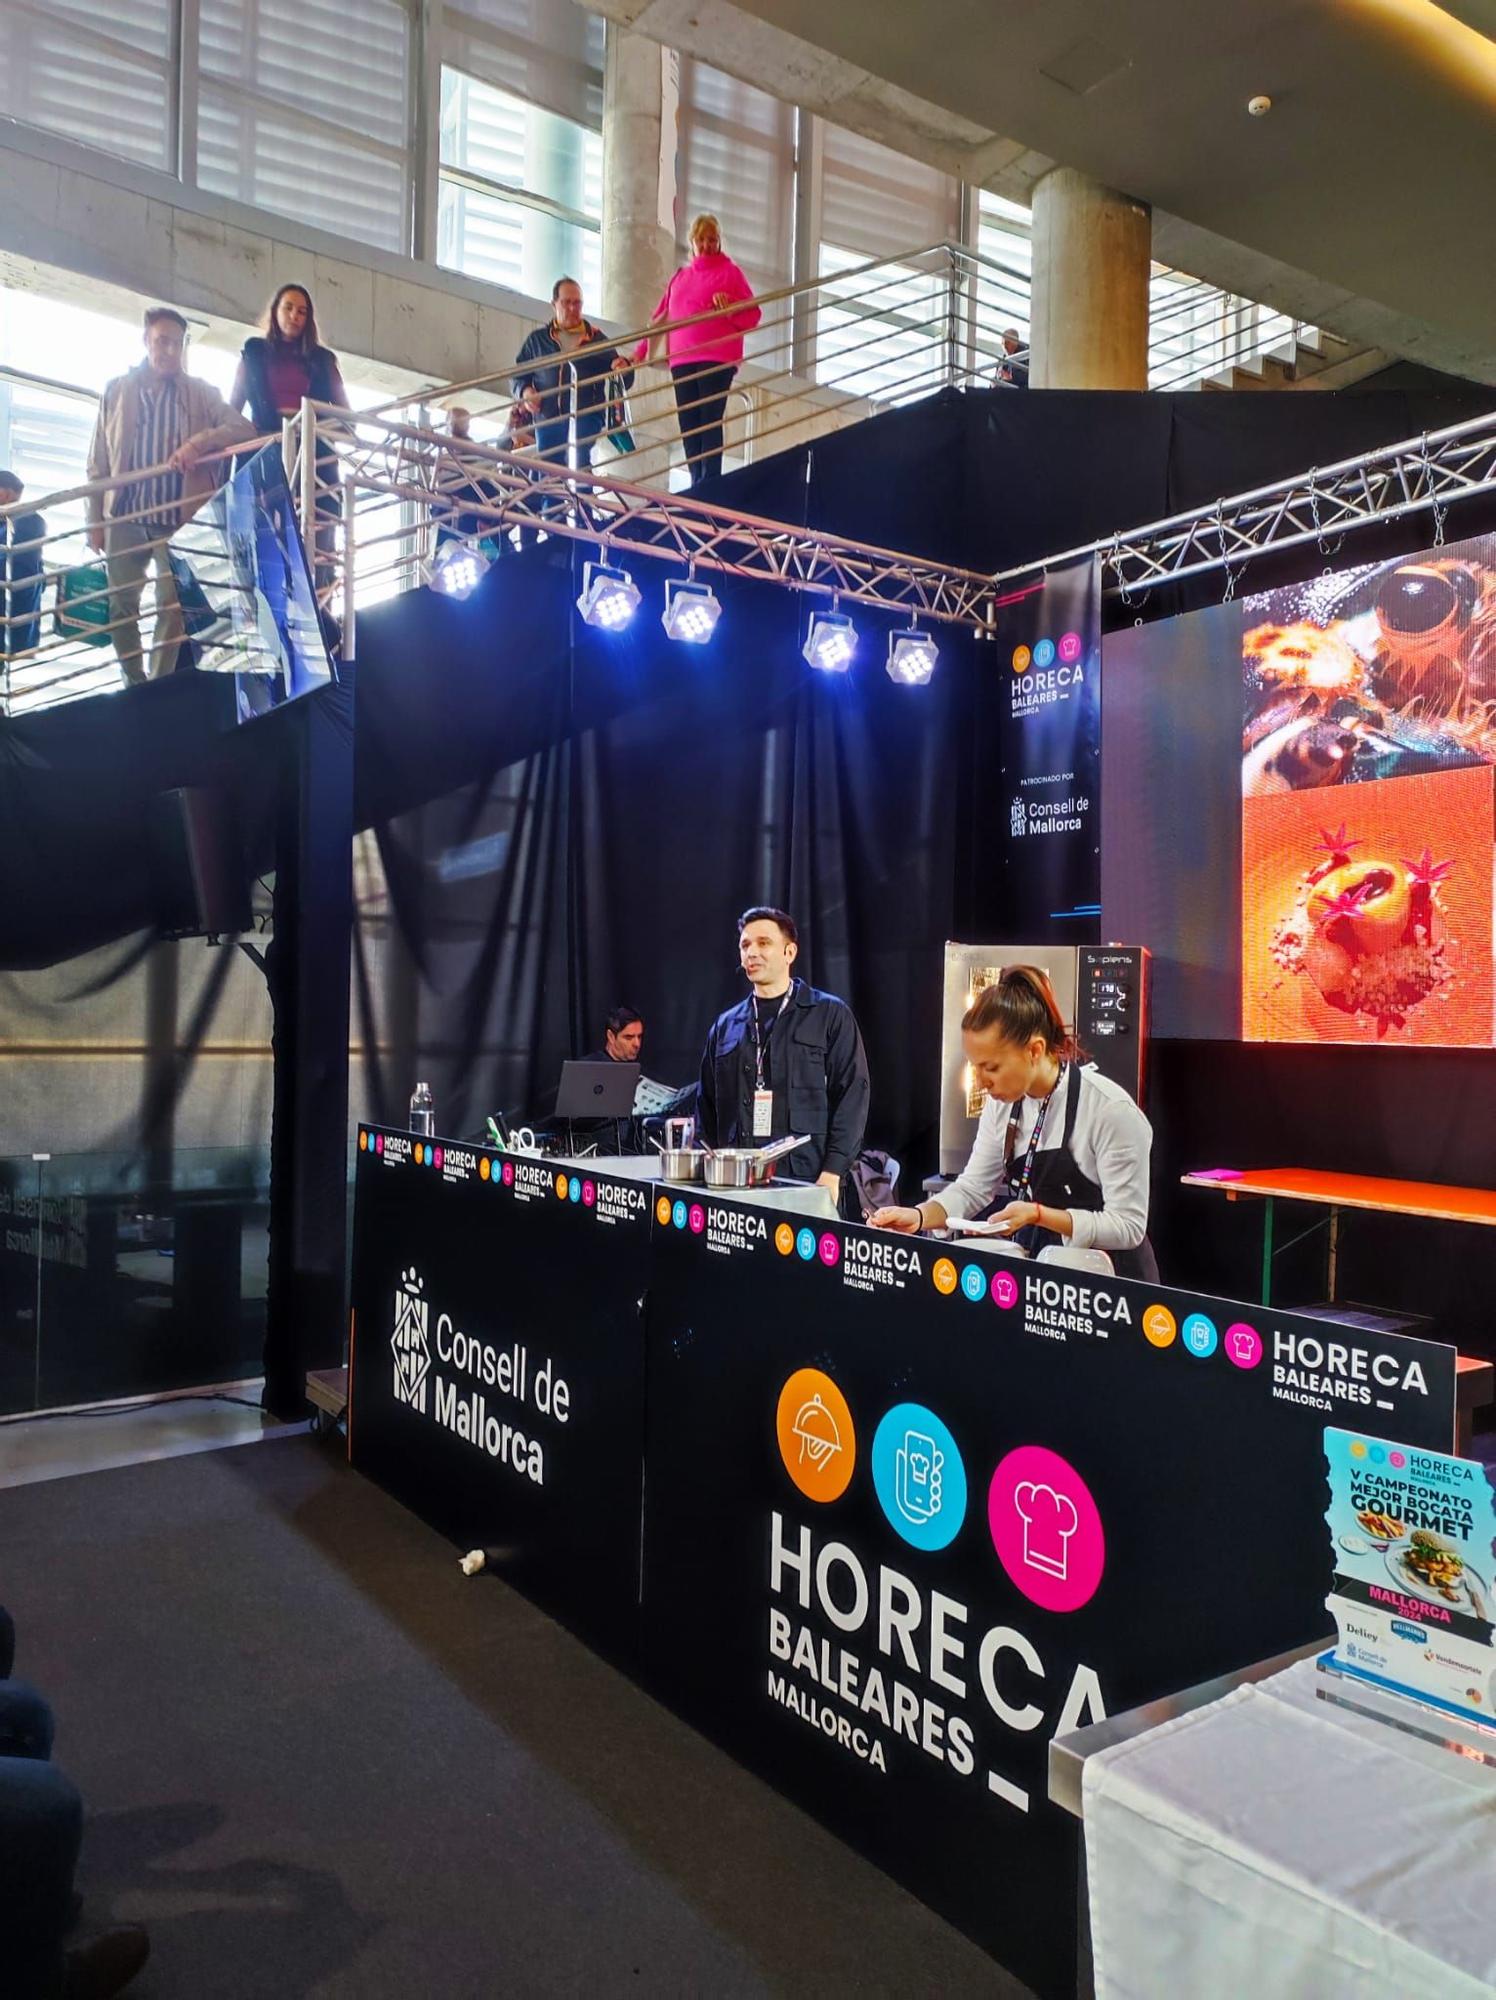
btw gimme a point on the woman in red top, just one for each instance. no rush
(704, 358)
(276, 370)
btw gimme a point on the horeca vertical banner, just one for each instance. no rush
(1049, 656)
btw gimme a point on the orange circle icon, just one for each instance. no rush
(363, 1142)
(944, 1275)
(816, 1439)
(561, 1187)
(784, 1239)
(1159, 1327)
(1022, 659)
(662, 1210)
(484, 1170)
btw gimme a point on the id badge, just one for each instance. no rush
(763, 1113)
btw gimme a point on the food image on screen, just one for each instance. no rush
(1384, 671)
(1371, 923)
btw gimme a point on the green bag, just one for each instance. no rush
(616, 420)
(81, 609)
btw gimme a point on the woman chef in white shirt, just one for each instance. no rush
(1067, 1146)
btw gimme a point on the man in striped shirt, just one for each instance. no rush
(158, 416)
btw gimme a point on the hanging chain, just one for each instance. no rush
(1440, 510)
(1326, 549)
(1231, 574)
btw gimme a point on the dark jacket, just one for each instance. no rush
(20, 583)
(818, 1073)
(541, 362)
(252, 383)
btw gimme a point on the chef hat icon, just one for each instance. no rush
(1049, 1520)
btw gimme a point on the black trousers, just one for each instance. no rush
(701, 404)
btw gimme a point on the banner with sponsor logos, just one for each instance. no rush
(1413, 1538)
(497, 1380)
(913, 1511)
(1048, 642)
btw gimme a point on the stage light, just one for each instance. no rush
(912, 657)
(457, 569)
(831, 642)
(691, 610)
(609, 598)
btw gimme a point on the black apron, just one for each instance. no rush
(1055, 1181)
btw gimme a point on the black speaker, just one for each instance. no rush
(197, 865)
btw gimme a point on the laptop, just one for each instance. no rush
(597, 1090)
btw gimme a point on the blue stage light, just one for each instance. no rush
(457, 569)
(609, 598)
(831, 642)
(691, 611)
(912, 657)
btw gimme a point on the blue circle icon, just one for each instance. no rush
(1044, 653)
(919, 1477)
(805, 1243)
(576, 1188)
(974, 1282)
(1377, 1454)
(678, 1215)
(1199, 1336)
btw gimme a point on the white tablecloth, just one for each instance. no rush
(1275, 1846)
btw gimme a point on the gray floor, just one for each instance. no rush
(55, 1447)
(319, 1762)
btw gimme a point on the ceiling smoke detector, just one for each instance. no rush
(1259, 107)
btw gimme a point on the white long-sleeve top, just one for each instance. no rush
(1111, 1144)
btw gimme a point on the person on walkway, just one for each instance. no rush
(705, 357)
(569, 344)
(156, 416)
(21, 537)
(1012, 372)
(277, 368)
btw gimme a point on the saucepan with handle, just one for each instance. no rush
(747, 1166)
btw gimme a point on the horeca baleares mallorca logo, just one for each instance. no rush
(411, 1344)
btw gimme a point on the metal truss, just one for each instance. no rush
(404, 463)
(1433, 472)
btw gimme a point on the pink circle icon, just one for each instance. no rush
(830, 1248)
(589, 1194)
(379, 1142)
(1070, 646)
(1004, 1290)
(437, 1157)
(509, 1173)
(1398, 1459)
(697, 1218)
(1243, 1345)
(1046, 1528)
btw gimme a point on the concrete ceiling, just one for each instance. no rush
(1362, 200)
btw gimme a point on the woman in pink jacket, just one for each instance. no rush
(704, 358)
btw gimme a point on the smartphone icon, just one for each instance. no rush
(917, 1464)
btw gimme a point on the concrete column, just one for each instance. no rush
(638, 177)
(1090, 277)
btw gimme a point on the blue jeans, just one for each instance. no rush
(41, 1829)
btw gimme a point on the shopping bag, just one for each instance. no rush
(616, 420)
(81, 607)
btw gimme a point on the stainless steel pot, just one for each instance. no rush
(681, 1163)
(746, 1166)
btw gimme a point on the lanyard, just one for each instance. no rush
(1026, 1175)
(759, 1050)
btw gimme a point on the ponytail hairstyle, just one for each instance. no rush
(1020, 1006)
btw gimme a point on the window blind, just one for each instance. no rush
(304, 110)
(877, 203)
(735, 159)
(548, 52)
(92, 71)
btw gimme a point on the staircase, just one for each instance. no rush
(1306, 358)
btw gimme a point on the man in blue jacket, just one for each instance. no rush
(551, 353)
(786, 1061)
(20, 572)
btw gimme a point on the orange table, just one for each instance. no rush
(1434, 1201)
